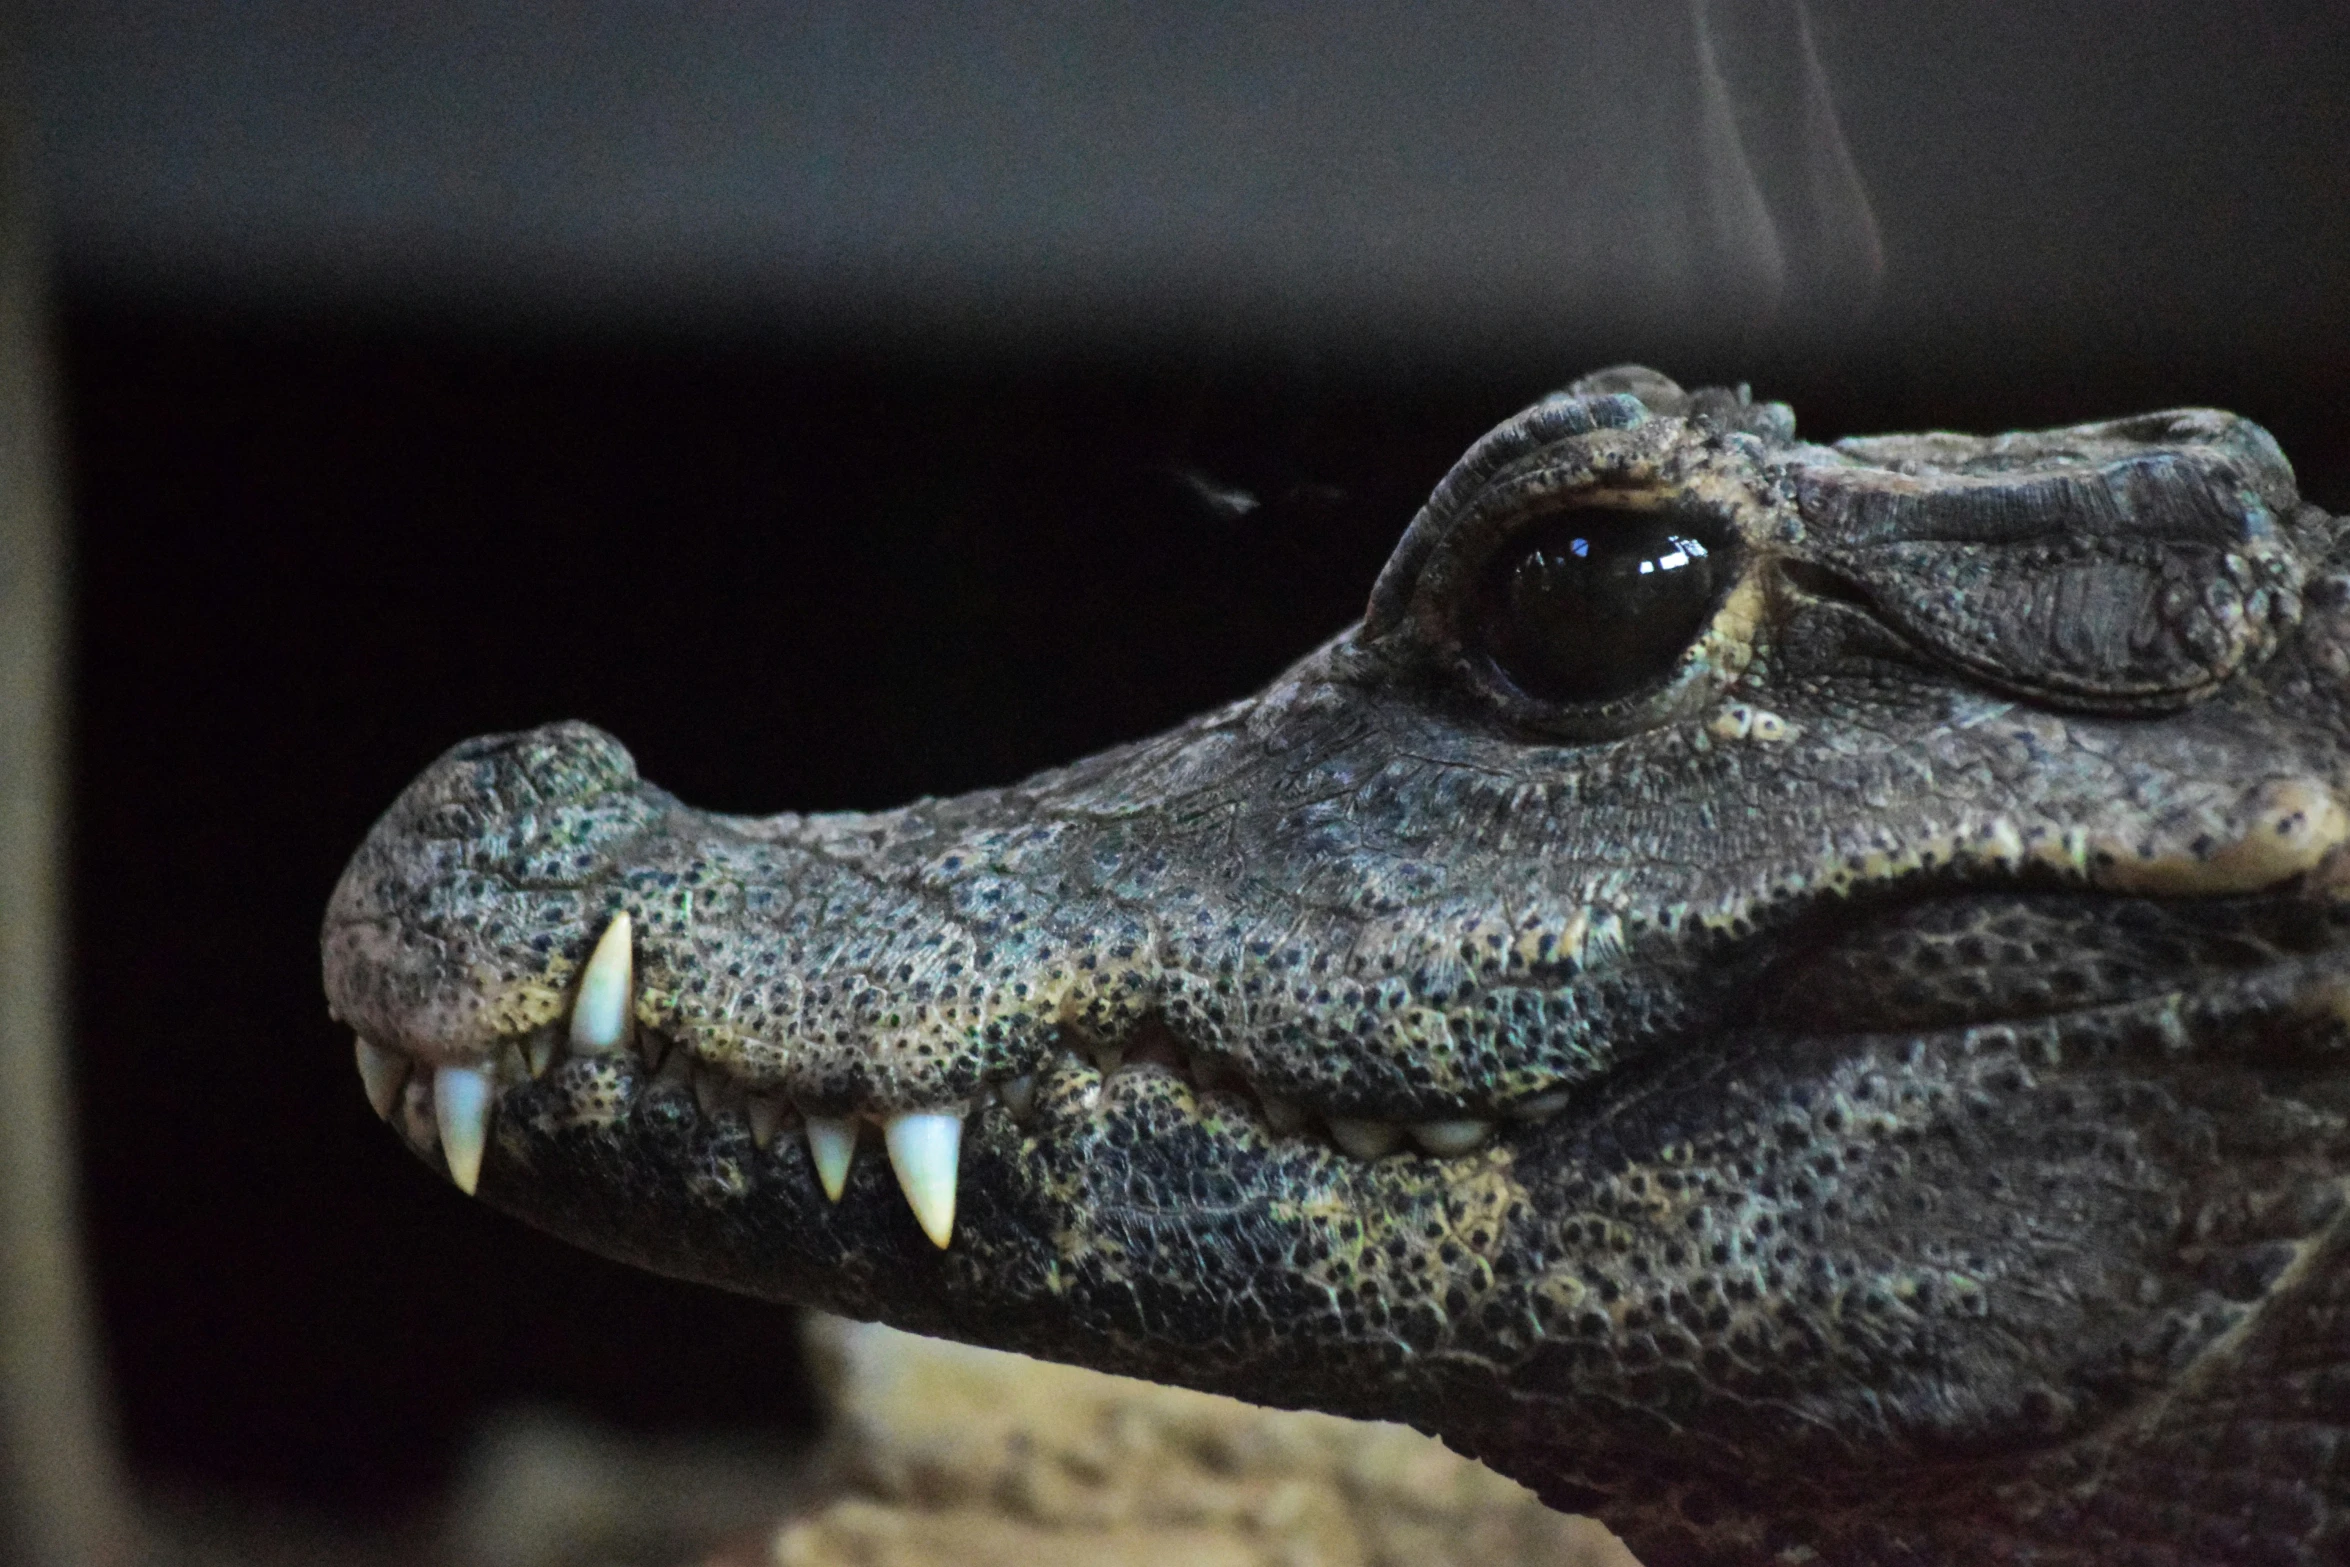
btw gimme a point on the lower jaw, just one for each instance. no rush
(1134, 1231)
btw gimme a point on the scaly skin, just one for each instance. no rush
(1914, 1020)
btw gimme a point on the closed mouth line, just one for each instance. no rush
(448, 1107)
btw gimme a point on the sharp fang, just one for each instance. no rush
(599, 1018)
(1019, 1095)
(461, 1106)
(538, 1052)
(1452, 1137)
(923, 1146)
(384, 1073)
(832, 1144)
(1283, 1115)
(766, 1113)
(1366, 1139)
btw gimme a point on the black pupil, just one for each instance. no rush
(1595, 603)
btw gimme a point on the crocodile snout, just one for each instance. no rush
(438, 935)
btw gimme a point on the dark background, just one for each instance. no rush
(395, 414)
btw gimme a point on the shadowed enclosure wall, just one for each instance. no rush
(59, 1501)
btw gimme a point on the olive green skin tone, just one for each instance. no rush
(1942, 967)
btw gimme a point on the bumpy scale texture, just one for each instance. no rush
(1906, 1033)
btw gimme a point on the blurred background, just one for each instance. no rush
(848, 401)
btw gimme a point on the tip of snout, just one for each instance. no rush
(418, 946)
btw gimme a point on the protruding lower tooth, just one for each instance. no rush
(538, 1051)
(600, 1017)
(1452, 1137)
(832, 1146)
(384, 1073)
(461, 1106)
(1283, 1115)
(766, 1114)
(923, 1149)
(1019, 1095)
(1366, 1139)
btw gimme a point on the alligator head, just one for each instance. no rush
(1791, 997)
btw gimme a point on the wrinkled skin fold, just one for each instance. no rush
(1875, 1092)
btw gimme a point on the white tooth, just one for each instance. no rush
(766, 1114)
(1283, 1115)
(600, 1017)
(1541, 1107)
(384, 1073)
(1366, 1139)
(416, 1115)
(1451, 1137)
(923, 1147)
(461, 1105)
(832, 1144)
(1019, 1095)
(538, 1051)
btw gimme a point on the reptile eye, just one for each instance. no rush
(1594, 603)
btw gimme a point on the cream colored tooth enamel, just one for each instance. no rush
(1447, 1138)
(600, 1017)
(1019, 1095)
(384, 1073)
(923, 1148)
(766, 1113)
(538, 1052)
(832, 1145)
(1283, 1115)
(1366, 1139)
(461, 1108)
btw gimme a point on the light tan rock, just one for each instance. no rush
(947, 1454)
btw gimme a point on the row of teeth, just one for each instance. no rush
(451, 1106)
